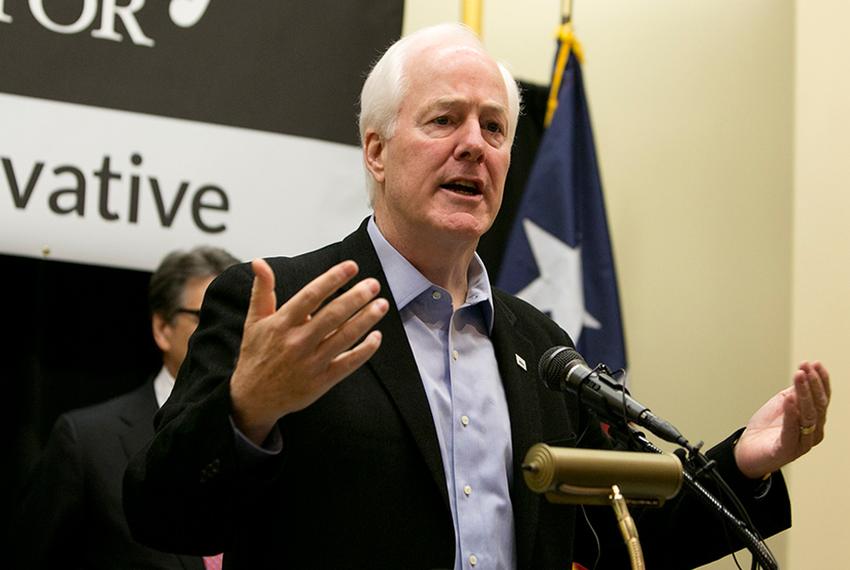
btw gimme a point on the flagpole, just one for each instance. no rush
(566, 11)
(472, 10)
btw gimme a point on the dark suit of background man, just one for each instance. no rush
(318, 425)
(71, 509)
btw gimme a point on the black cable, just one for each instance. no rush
(746, 529)
(595, 537)
(703, 465)
(752, 541)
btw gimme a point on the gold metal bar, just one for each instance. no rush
(472, 11)
(627, 529)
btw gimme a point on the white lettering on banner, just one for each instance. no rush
(74, 198)
(4, 17)
(109, 187)
(184, 13)
(87, 15)
(187, 13)
(128, 18)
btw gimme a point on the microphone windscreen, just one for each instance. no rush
(553, 364)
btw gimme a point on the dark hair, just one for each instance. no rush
(168, 282)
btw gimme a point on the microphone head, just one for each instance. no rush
(553, 365)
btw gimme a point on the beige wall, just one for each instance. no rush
(715, 207)
(821, 304)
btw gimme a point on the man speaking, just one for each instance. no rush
(323, 421)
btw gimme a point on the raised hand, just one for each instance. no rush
(788, 425)
(291, 356)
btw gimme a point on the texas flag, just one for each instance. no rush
(558, 256)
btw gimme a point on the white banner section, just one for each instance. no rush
(105, 187)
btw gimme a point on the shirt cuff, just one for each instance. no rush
(250, 451)
(725, 458)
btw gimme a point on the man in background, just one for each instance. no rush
(71, 514)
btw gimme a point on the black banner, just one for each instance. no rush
(289, 67)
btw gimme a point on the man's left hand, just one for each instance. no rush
(788, 425)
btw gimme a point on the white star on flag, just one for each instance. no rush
(559, 289)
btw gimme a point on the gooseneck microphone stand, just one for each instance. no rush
(694, 466)
(598, 389)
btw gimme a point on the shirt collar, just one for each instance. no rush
(163, 384)
(406, 282)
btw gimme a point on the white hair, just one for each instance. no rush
(387, 83)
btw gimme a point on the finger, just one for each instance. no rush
(818, 380)
(336, 313)
(345, 336)
(791, 420)
(349, 361)
(823, 373)
(820, 398)
(806, 408)
(306, 301)
(263, 299)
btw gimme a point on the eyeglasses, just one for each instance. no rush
(196, 312)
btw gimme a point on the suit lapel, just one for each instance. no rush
(394, 363)
(137, 417)
(137, 420)
(514, 354)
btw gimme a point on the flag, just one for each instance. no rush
(558, 255)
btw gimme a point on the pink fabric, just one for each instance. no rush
(213, 562)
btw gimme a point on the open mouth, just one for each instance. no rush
(462, 187)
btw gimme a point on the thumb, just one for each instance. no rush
(263, 299)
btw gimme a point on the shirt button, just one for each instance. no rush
(473, 560)
(436, 295)
(464, 420)
(467, 490)
(455, 355)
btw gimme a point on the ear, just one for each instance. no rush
(162, 331)
(373, 155)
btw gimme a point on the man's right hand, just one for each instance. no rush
(292, 355)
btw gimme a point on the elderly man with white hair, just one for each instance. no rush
(323, 421)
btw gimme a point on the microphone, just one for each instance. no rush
(563, 369)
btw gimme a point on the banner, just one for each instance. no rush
(128, 129)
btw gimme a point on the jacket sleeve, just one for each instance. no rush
(182, 493)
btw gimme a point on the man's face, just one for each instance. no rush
(173, 337)
(443, 171)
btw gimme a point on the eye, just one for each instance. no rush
(441, 120)
(494, 127)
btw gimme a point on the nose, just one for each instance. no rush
(471, 144)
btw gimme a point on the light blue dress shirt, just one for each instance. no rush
(461, 378)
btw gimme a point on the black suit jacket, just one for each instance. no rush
(360, 481)
(71, 513)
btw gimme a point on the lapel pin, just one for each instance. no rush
(520, 361)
